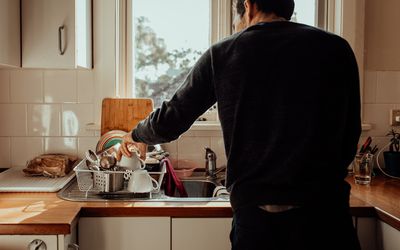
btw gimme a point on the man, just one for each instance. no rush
(289, 105)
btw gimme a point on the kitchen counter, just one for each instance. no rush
(383, 194)
(45, 213)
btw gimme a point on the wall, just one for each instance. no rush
(382, 67)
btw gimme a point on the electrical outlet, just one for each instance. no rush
(395, 117)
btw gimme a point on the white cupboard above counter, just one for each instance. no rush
(56, 34)
(10, 52)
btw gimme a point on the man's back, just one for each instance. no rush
(288, 100)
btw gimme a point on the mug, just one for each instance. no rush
(141, 182)
(132, 163)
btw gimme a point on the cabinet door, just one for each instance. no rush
(124, 233)
(201, 233)
(47, 25)
(21, 242)
(64, 241)
(388, 237)
(10, 33)
(366, 231)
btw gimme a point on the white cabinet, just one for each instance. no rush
(201, 233)
(123, 233)
(56, 34)
(21, 242)
(10, 53)
(51, 242)
(388, 237)
(366, 231)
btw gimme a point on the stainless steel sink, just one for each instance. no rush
(199, 189)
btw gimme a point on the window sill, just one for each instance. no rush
(366, 127)
(198, 125)
(206, 125)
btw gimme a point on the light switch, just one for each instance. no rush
(395, 117)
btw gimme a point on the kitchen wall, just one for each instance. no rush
(44, 111)
(382, 67)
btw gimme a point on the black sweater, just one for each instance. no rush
(289, 104)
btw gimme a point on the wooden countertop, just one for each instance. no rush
(383, 194)
(45, 213)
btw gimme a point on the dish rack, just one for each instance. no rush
(108, 181)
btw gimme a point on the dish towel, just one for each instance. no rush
(172, 181)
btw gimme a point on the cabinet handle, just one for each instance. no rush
(73, 247)
(60, 41)
(37, 245)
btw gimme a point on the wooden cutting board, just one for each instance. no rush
(124, 113)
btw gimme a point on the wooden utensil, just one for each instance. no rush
(124, 113)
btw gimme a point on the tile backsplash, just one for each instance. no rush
(46, 111)
(381, 94)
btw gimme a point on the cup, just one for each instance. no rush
(141, 182)
(132, 163)
(362, 168)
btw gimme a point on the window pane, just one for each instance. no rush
(304, 12)
(169, 38)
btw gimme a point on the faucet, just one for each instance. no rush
(211, 163)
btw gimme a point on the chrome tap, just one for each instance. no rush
(211, 163)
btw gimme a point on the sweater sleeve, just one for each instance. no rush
(175, 116)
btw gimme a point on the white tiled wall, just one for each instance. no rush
(381, 94)
(45, 111)
(188, 150)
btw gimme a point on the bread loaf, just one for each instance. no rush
(50, 165)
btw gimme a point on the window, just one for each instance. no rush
(164, 40)
(305, 12)
(159, 40)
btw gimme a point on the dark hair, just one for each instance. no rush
(282, 8)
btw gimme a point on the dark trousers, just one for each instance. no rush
(296, 229)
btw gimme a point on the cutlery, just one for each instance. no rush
(366, 144)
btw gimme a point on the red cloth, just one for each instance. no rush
(172, 181)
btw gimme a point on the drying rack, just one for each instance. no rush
(95, 181)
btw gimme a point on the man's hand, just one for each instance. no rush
(128, 145)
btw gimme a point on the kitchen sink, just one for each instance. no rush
(198, 188)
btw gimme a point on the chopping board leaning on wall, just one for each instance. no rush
(124, 113)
